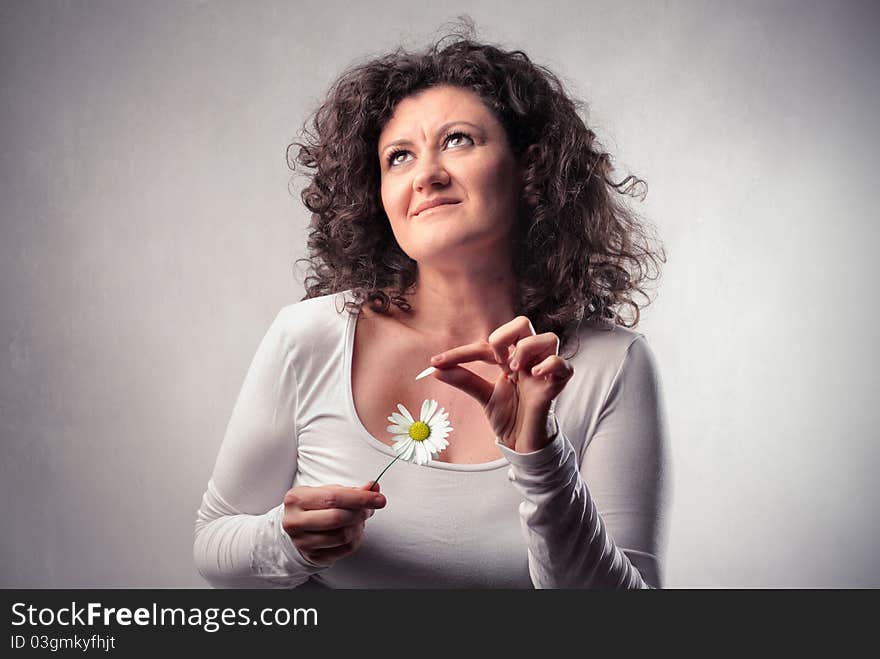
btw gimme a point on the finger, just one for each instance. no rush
(471, 352)
(320, 498)
(533, 349)
(553, 369)
(330, 556)
(329, 539)
(468, 381)
(312, 521)
(507, 336)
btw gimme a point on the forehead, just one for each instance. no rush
(436, 106)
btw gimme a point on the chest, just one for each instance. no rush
(384, 365)
(440, 529)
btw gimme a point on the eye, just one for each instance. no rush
(458, 138)
(394, 158)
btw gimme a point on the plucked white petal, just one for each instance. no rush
(405, 413)
(398, 430)
(425, 373)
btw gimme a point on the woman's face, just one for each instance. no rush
(444, 146)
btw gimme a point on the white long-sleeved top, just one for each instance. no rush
(588, 510)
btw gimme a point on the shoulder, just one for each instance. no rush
(614, 373)
(608, 357)
(305, 331)
(312, 321)
(604, 345)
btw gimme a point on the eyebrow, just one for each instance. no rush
(445, 127)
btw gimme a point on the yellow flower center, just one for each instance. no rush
(419, 431)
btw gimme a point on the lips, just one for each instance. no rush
(433, 203)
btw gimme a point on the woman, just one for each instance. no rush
(467, 219)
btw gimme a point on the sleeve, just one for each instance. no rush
(239, 539)
(624, 472)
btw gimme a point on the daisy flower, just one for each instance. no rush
(422, 439)
(418, 440)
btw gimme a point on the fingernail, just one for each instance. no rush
(379, 501)
(425, 373)
(437, 358)
(514, 364)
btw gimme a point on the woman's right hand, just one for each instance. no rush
(326, 523)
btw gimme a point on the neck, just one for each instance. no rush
(458, 305)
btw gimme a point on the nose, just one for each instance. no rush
(430, 174)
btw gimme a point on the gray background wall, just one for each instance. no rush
(148, 237)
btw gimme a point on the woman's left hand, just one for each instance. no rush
(518, 404)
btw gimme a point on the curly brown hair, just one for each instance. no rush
(581, 253)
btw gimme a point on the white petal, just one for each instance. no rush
(405, 413)
(406, 451)
(425, 373)
(433, 446)
(432, 407)
(438, 424)
(425, 406)
(399, 419)
(443, 430)
(422, 455)
(398, 430)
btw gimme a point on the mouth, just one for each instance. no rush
(434, 206)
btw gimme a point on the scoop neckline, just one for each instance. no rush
(367, 437)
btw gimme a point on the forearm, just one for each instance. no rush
(568, 543)
(237, 550)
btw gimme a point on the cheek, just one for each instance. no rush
(499, 186)
(396, 205)
(394, 199)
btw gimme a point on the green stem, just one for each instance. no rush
(376, 482)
